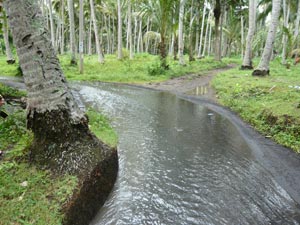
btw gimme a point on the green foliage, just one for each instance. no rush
(143, 68)
(8, 69)
(100, 126)
(270, 103)
(8, 91)
(155, 69)
(31, 196)
(27, 195)
(11, 129)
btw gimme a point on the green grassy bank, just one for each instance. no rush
(143, 68)
(29, 195)
(270, 104)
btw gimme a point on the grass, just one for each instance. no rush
(271, 104)
(143, 68)
(8, 70)
(100, 126)
(29, 195)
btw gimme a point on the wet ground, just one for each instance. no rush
(184, 161)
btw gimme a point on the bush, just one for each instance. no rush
(155, 70)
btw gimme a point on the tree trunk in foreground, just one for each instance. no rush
(263, 67)
(247, 61)
(62, 140)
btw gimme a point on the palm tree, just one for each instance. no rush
(247, 61)
(263, 67)
(62, 140)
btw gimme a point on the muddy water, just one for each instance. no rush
(181, 163)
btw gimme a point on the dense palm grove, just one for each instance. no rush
(195, 27)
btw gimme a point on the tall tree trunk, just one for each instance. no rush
(61, 133)
(264, 65)
(120, 55)
(247, 61)
(242, 35)
(202, 29)
(180, 33)
(129, 30)
(98, 46)
(72, 32)
(191, 47)
(140, 36)
(296, 32)
(135, 34)
(286, 15)
(81, 32)
(9, 56)
(147, 30)
(206, 34)
(90, 38)
(197, 30)
(217, 14)
(51, 24)
(209, 40)
(62, 15)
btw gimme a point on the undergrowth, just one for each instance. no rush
(29, 195)
(271, 104)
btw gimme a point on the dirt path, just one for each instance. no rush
(191, 84)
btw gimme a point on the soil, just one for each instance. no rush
(191, 84)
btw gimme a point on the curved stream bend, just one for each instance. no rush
(181, 163)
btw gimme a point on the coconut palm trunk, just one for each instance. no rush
(202, 29)
(286, 14)
(217, 14)
(62, 140)
(247, 60)
(129, 30)
(296, 31)
(62, 15)
(81, 32)
(72, 32)
(9, 56)
(120, 55)
(98, 46)
(52, 28)
(264, 65)
(180, 33)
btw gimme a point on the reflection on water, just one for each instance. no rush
(181, 163)
(201, 90)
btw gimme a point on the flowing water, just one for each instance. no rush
(181, 163)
